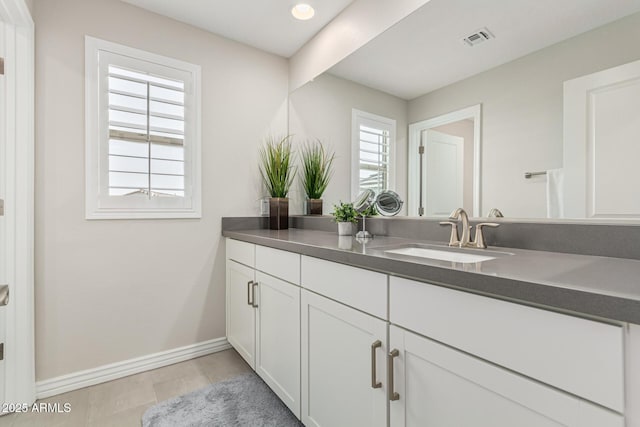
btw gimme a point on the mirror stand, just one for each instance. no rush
(363, 234)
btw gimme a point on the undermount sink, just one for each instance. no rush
(463, 256)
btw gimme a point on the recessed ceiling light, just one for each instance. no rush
(302, 12)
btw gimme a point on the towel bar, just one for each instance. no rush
(528, 175)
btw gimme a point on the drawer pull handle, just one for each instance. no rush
(249, 283)
(392, 394)
(374, 382)
(253, 295)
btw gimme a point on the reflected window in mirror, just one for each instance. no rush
(373, 143)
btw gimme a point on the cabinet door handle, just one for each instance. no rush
(392, 394)
(374, 382)
(253, 294)
(249, 283)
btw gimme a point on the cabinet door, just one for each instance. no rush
(337, 362)
(440, 386)
(278, 338)
(241, 317)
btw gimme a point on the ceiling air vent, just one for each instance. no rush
(478, 37)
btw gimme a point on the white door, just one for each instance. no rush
(342, 348)
(17, 380)
(241, 312)
(444, 173)
(3, 226)
(440, 386)
(278, 338)
(601, 149)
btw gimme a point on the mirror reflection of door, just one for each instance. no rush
(443, 172)
(444, 164)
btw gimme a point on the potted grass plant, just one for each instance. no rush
(345, 215)
(316, 172)
(278, 171)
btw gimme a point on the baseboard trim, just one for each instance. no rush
(101, 374)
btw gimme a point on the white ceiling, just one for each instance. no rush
(424, 51)
(265, 24)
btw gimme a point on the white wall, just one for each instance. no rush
(108, 291)
(522, 111)
(322, 109)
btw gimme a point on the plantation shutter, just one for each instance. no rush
(146, 115)
(374, 149)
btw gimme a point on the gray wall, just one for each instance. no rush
(522, 111)
(322, 109)
(29, 4)
(108, 291)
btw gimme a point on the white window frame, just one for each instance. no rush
(359, 117)
(99, 205)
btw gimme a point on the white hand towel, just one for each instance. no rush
(555, 193)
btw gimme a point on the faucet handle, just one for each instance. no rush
(454, 240)
(478, 241)
(495, 213)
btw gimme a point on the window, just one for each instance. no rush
(143, 134)
(373, 141)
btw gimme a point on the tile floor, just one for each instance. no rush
(121, 403)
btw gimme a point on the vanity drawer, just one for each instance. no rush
(281, 264)
(362, 289)
(583, 357)
(241, 252)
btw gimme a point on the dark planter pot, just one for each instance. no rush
(314, 207)
(278, 213)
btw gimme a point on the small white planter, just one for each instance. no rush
(345, 242)
(345, 228)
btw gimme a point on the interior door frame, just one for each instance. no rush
(474, 113)
(18, 175)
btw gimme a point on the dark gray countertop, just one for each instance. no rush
(597, 286)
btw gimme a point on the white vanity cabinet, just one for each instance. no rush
(343, 365)
(263, 315)
(344, 345)
(486, 362)
(278, 338)
(440, 386)
(241, 314)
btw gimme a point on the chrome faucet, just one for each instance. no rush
(465, 241)
(461, 214)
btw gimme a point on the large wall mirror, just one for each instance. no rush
(510, 72)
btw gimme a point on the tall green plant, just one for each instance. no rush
(276, 167)
(316, 168)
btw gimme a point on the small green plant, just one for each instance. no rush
(276, 167)
(316, 169)
(344, 212)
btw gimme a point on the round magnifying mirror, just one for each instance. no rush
(388, 203)
(364, 200)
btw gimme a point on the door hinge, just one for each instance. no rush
(1, 66)
(1, 351)
(421, 149)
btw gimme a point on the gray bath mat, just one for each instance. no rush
(244, 400)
